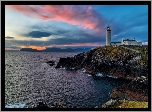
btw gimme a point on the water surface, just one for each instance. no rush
(29, 79)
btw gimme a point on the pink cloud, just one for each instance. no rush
(83, 16)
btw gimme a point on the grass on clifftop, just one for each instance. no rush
(116, 52)
(112, 49)
(139, 48)
(130, 104)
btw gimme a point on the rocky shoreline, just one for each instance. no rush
(55, 105)
(116, 62)
(119, 64)
(135, 90)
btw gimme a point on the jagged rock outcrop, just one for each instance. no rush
(51, 63)
(118, 62)
(135, 90)
(59, 105)
(109, 103)
(41, 105)
(55, 105)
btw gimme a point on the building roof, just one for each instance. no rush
(115, 42)
(129, 40)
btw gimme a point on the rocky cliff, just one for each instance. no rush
(112, 61)
(135, 91)
(120, 62)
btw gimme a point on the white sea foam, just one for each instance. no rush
(99, 75)
(83, 70)
(63, 68)
(112, 76)
(15, 106)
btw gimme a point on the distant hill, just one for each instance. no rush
(11, 50)
(55, 49)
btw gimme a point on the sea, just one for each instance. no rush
(29, 80)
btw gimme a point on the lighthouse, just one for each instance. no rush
(108, 36)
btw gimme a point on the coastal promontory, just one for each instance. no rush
(123, 62)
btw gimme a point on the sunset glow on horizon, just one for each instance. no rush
(34, 47)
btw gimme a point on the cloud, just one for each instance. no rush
(38, 34)
(38, 44)
(83, 16)
(66, 36)
(80, 38)
(77, 45)
(8, 37)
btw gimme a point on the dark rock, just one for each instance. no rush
(71, 62)
(41, 105)
(51, 63)
(109, 103)
(98, 61)
(59, 105)
(121, 64)
(135, 90)
(55, 105)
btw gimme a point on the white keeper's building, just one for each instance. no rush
(123, 42)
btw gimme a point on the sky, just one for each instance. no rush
(73, 25)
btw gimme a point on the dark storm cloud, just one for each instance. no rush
(70, 36)
(8, 37)
(61, 32)
(52, 29)
(77, 38)
(25, 42)
(38, 34)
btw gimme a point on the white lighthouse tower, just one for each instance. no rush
(108, 36)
